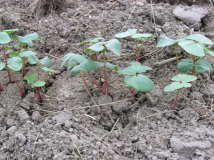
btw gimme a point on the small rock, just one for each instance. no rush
(189, 115)
(62, 117)
(23, 116)
(135, 139)
(20, 139)
(68, 124)
(36, 116)
(12, 130)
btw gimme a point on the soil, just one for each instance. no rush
(69, 123)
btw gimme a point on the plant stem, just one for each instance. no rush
(105, 73)
(175, 47)
(16, 83)
(38, 87)
(94, 82)
(6, 64)
(24, 61)
(85, 84)
(23, 89)
(132, 95)
(176, 99)
(38, 95)
(47, 77)
(193, 70)
(137, 50)
(99, 68)
(1, 89)
(141, 46)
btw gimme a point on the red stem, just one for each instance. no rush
(94, 82)
(6, 64)
(105, 75)
(132, 95)
(99, 69)
(38, 96)
(16, 83)
(86, 84)
(176, 99)
(1, 89)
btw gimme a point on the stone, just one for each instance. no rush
(12, 130)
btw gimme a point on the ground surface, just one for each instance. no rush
(145, 128)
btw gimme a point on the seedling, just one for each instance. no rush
(137, 80)
(133, 33)
(32, 78)
(181, 80)
(4, 39)
(114, 46)
(165, 41)
(94, 41)
(14, 63)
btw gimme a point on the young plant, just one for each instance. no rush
(136, 79)
(14, 63)
(4, 39)
(114, 46)
(165, 41)
(181, 80)
(133, 33)
(2, 65)
(32, 78)
(94, 41)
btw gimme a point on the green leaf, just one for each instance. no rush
(140, 82)
(77, 58)
(38, 84)
(185, 65)
(10, 31)
(202, 65)
(13, 54)
(95, 40)
(33, 59)
(165, 41)
(24, 40)
(176, 85)
(87, 65)
(34, 36)
(66, 57)
(87, 50)
(108, 65)
(4, 38)
(75, 70)
(71, 64)
(142, 35)
(48, 69)
(184, 78)
(27, 54)
(115, 46)
(96, 47)
(135, 68)
(45, 61)
(2, 65)
(15, 63)
(9, 48)
(31, 78)
(200, 38)
(194, 48)
(126, 34)
(211, 53)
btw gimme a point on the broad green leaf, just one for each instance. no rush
(142, 35)
(126, 34)
(10, 31)
(34, 36)
(211, 53)
(75, 70)
(31, 78)
(200, 38)
(184, 78)
(202, 65)
(115, 46)
(87, 50)
(48, 69)
(95, 40)
(185, 65)
(24, 40)
(176, 85)
(165, 41)
(71, 64)
(27, 54)
(45, 61)
(77, 58)
(140, 82)
(194, 48)
(15, 63)
(66, 57)
(87, 65)
(95, 47)
(4, 38)
(13, 54)
(108, 65)
(9, 48)
(2, 65)
(38, 84)
(33, 59)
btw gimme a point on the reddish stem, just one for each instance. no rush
(94, 82)
(6, 64)
(99, 69)
(1, 89)
(16, 83)
(176, 99)
(105, 75)
(132, 95)
(38, 96)
(86, 84)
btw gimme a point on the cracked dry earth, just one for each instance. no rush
(69, 124)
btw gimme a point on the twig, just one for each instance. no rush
(166, 61)
(35, 141)
(112, 129)
(76, 147)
